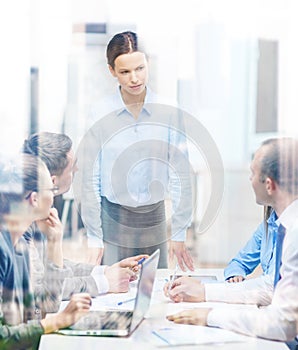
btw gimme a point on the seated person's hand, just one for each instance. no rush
(119, 278)
(235, 279)
(186, 289)
(132, 262)
(51, 227)
(195, 316)
(78, 306)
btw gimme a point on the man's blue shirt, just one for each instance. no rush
(260, 249)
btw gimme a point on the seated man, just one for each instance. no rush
(56, 278)
(274, 179)
(260, 249)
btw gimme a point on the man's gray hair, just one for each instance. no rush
(280, 163)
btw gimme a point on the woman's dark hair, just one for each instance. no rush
(52, 149)
(18, 178)
(121, 43)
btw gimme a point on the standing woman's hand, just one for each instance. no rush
(184, 258)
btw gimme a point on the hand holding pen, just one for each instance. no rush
(135, 269)
(133, 262)
(120, 275)
(173, 277)
(132, 299)
(140, 262)
(186, 289)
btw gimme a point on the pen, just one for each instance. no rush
(125, 301)
(161, 337)
(141, 261)
(135, 268)
(173, 276)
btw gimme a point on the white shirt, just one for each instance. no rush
(257, 290)
(279, 320)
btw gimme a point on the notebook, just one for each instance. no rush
(120, 323)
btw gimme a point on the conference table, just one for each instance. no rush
(155, 329)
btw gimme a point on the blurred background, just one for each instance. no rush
(232, 64)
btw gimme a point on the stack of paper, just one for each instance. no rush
(191, 335)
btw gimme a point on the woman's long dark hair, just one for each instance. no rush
(18, 178)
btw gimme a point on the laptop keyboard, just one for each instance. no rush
(104, 320)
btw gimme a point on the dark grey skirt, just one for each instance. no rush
(129, 231)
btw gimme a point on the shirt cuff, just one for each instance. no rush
(231, 271)
(223, 318)
(101, 281)
(215, 291)
(214, 316)
(179, 236)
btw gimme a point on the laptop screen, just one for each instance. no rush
(145, 287)
(120, 322)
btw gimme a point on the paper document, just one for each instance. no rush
(191, 335)
(121, 301)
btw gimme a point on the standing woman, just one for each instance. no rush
(26, 195)
(129, 213)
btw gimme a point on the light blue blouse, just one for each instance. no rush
(260, 249)
(139, 162)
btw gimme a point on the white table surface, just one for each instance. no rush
(142, 337)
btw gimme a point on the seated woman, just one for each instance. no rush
(26, 195)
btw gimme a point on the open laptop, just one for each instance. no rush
(120, 323)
